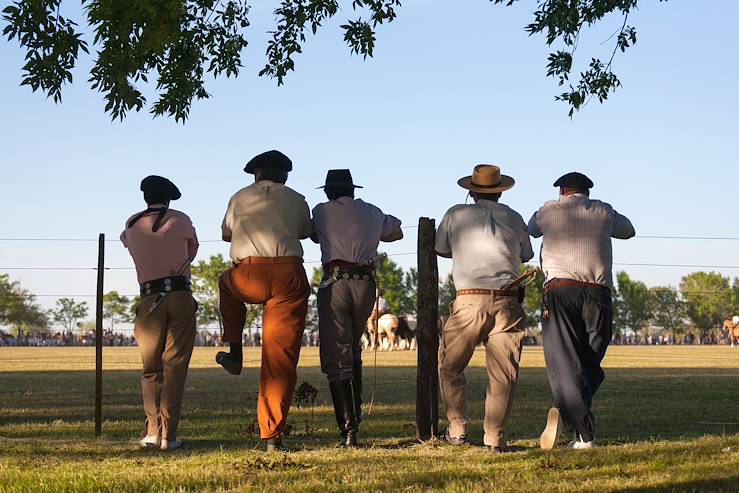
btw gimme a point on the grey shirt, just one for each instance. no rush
(577, 234)
(351, 229)
(488, 242)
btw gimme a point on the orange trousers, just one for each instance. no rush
(280, 284)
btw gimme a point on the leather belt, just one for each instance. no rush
(560, 283)
(355, 272)
(513, 293)
(271, 260)
(337, 270)
(338, 264)
(166, 285)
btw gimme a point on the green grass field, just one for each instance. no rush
(668, 420)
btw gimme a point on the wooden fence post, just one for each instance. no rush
(99, 338)
(427, 333)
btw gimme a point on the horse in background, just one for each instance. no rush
(731, 326)
(393, 333)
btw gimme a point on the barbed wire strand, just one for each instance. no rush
(116, 240)
(313, 262)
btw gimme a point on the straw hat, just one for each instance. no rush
(486, 178)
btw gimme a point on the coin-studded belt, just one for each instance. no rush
(336, 272)
(166, 285)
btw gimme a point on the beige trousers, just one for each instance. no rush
(498, 324)
(165, 338)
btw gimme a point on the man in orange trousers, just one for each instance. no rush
(264, 224)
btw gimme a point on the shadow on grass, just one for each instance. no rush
(633, 404)
(729, 484)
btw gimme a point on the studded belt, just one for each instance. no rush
(166, 285)
(337, 273)
(518, 292)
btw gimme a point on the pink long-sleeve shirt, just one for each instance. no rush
(163, 253)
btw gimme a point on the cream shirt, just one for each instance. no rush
(266, 219)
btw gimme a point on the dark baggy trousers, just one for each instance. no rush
(343, 310)
(576, 335)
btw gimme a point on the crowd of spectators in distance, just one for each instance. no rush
(110, 338)
(253, 339)
(687, 339)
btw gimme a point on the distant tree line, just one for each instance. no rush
(701, 302)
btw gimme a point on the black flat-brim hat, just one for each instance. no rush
(574, 180)
(486, 178)
(269, 160)
(160, 187)
(339, 178)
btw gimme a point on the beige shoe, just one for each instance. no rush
(171, 444)
(149, 441)
(553, 430)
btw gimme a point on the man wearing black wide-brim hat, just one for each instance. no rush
(349, 231)
(487, 242)
(577, 316)
(162, 242)
(264, 223)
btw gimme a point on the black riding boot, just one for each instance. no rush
(343, 397)
(357, 383)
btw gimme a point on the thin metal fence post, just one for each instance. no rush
(99, 338)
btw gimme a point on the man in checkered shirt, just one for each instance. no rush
(577, 317)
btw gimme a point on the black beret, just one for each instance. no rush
(270, 159)
(160, 187)
(574, 180)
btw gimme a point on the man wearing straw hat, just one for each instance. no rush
(264, 223)
(577, 317)
(162, 242)
(349, 231)
(487, 242)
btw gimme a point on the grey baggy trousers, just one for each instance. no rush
(343, 310)
(576, 335)
(499, 324)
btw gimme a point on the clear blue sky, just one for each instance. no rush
(452, 84)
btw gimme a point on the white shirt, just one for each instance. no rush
(351, 229)
(266, 219)
(488, 242)
(577, 238)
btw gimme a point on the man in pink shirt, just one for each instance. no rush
(162, 242)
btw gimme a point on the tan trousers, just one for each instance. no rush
(165, 338)
(280, 284)
(499, 325)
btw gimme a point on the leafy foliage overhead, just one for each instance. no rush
(562, 21)
(178, 42)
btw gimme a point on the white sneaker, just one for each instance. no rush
(553, 430)
(171, 444)
(149, 441)
(579, 444)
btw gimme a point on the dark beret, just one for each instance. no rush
(270, 159)
(574, 180)
(160, 187)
